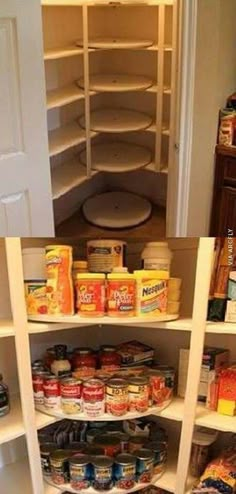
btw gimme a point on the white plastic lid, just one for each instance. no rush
(203, 436)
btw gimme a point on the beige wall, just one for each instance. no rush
(215, 79)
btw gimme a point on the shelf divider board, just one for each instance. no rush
(87, 90)
(160, 84)
(202, 284)
(16, 285)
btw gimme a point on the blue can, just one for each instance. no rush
(144, 466)
(125, 471)
(80, 472)
(160, 455)
(102, 472)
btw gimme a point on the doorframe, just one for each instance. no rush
(183, 145)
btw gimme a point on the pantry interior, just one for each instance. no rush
(23, 341)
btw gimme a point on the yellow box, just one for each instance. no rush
(226, 407)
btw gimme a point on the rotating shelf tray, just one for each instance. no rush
(116, 43)
(118, 157)
(112, 120)
(116, 210)
(77, 320)
(105, 417)
(117, 82)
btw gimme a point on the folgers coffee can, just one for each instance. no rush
(52, 393)
(138, 394)
(46, 450)
(144, 465)
(80, 474)
(157, 388)
(102, 473)
(160, 455)
(59, 460)
(71, 396)
(94, 398)
(117, 397)
(109, 443)
(38, 377)
(125, 471)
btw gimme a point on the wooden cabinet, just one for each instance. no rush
(223, 215)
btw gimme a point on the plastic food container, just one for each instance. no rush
(202, 440)
(34, 264)
(151, 292)
(105, 255)
(157, 255)
(121, 295)
(90, 294)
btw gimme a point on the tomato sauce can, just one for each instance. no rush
(46, 449)
(93, 398)
(52, 393)
(38, 377)
(157, 388)
(90, 294)
(59, 460)
(144, 465)
(102, 472)
(117, 396)
(125, 471)
(138, 394)
(80, 474)
(71, 396)
(169, 375)
(110, 444)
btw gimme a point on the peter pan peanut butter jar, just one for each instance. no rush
(121, 294)
(151, 292)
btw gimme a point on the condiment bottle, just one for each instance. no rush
(61, 365)
(4, 398)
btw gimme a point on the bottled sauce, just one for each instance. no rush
(61, 365)
(4, 398)
(85, 361)
(109, 358)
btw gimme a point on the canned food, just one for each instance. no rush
(136, 443)
(59, 460)
(157, 386)
(38, 383)
(102, 473)
(169, 375)
(105, 255)
(117, 396)
(71, 395)
(77, 447)
(93, 451)
(51, 388)
(160, 455)
(94, 398)
(125, 471)
(138, 394)
(79, 467)
(46, 449)
(144, 465)
(124, 441)
(91, 434)
(110, 444)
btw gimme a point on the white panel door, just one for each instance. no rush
(25, 183)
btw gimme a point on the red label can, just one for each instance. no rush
(52, 392)
(71, 396)
(38, 381)
(157, 388)
(94, 397)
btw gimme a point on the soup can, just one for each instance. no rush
(93, 398)
(125, 471)
(157, 387)
(117, 395)
(38, 383)
(46, 449)
(59, 460)
(52, 393)
(144, 465)
(71, 395)
(102, 473)
(80, 475)
(138, 394)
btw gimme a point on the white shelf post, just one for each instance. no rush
(86, 88)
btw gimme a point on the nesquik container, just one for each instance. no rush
(90, 294)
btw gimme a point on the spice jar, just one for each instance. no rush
(4, 398)
(90, 294)
(84, 360)
(109, 358)
(61, 365)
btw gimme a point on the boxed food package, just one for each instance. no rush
(219, 476)
(230, 315)
(134, 352)
(227, 392)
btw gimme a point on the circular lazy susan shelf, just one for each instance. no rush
(91, 490)
(116, 43)
(105, 417)
(118, 157)
(78, 320)
(116, 210)
(117, 82)
(117, 120)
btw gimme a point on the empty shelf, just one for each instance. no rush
(117, 120)
(117, 82)
(63, 96)
(68, 51)
(116, 43)
(6, 328)
(65, 137)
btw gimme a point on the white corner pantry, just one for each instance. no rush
(22, 341)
